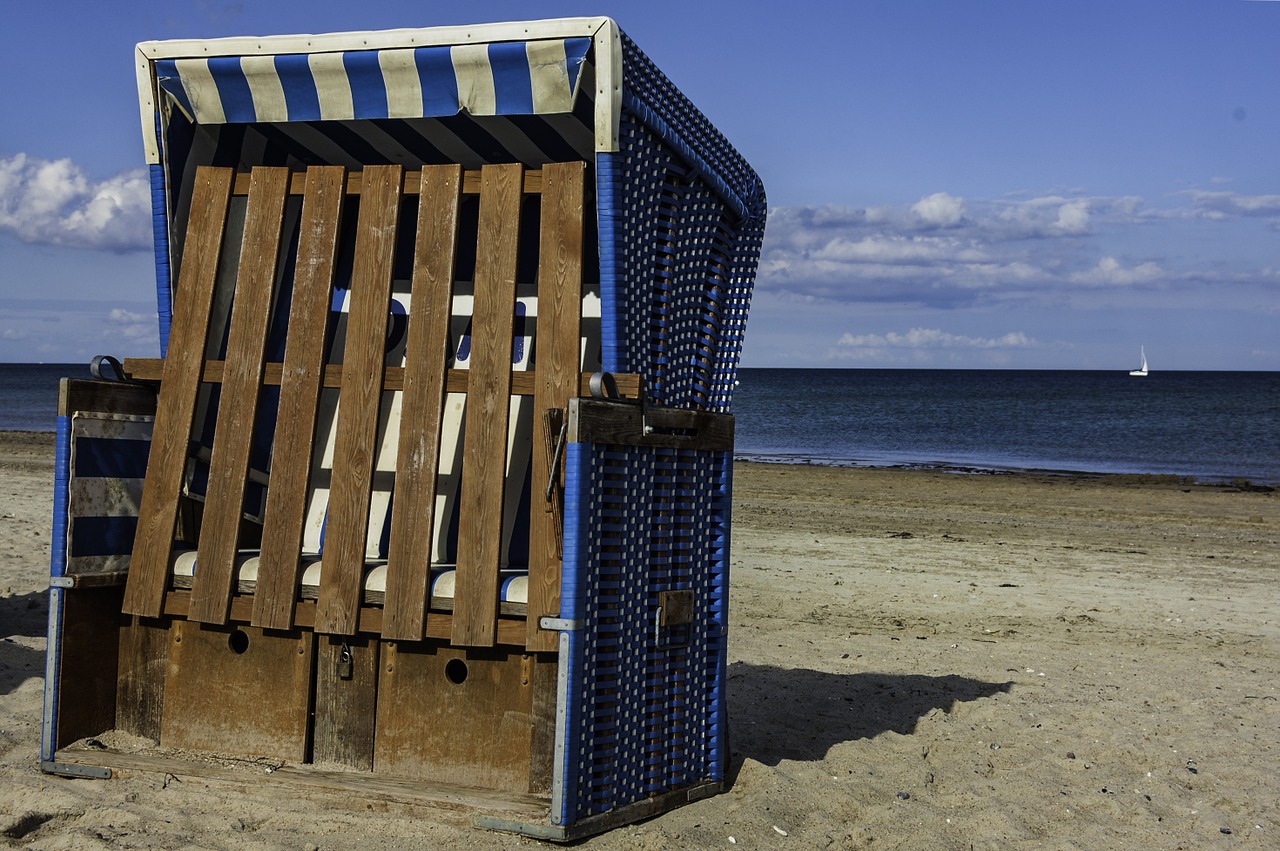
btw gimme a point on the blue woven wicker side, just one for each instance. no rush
(688, 230)
(716, 670)
(646, 706)
(672, 243)
(160, 235)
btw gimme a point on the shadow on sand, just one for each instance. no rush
(799, 714)
(26, 616)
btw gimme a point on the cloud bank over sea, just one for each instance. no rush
(944, 251)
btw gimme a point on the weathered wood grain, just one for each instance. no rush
(262, 686)
(475, 728)
(558, 366)
(346, 694)
(238, 406)
(193, 299)
(488, 408)
(422, 406)
(300, 378)
(355, 443)
(595, 421)
(143, 660)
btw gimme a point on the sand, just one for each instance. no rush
(919, 660)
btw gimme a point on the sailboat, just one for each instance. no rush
(1142, 370)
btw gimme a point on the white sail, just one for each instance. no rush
(1143, 369)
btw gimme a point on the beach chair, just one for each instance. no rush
(430, 486)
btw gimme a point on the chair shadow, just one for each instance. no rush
(22, 615)
(800, 714)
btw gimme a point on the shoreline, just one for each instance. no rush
(39, 439)
(958, 468)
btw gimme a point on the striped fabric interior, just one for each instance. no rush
(108, 458)
(503, 78)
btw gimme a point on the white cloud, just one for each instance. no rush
(1051, 216)
(933, 338)
(939, 210)
(130, 325)
(1073, 217)
(1109, 272)
(1221, 205)
(1050, 249)
(882, 248)
(55, 203)
(13, 334)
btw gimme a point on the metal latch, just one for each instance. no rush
(553, 477)
(344, 666)
(672, 622)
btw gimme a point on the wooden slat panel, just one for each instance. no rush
(338, 788)
(354, 445)
(478, 727)
(144, 592)
(595, 421)
(107, 397)
(144, 647)
(85, 678)
(488, 408)
(412, 186)
(346, 693)
(426, 358)
(262, 685)
(299, 394)
(369, 620)
(557, 355)
(522, 383)
(233, 434)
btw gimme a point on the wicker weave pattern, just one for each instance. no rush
(646, 714)
(689, 226)
(678, 275)
(646, 83)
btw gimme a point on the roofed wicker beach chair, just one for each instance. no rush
(428, 492)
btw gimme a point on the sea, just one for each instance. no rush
(1205, 426)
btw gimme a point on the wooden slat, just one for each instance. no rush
(262, 685)
(84, 682)
(557, 355)
(340, 788)
(233, 434)
(107, 397)
(422, 406)
(299, 394)
(488, 408)
(143, 660)
(595, 421)
(368, 621)
(532, 184)
(346, 693)
(522, 382)
(478, 727)
(355, 443)
(144, 592)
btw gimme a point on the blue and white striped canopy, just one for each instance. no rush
(532, 91)
(504, 78)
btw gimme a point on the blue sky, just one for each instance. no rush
(952, 183)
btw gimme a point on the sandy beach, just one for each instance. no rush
(919, 660)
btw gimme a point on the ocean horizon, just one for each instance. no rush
(1203, 425)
